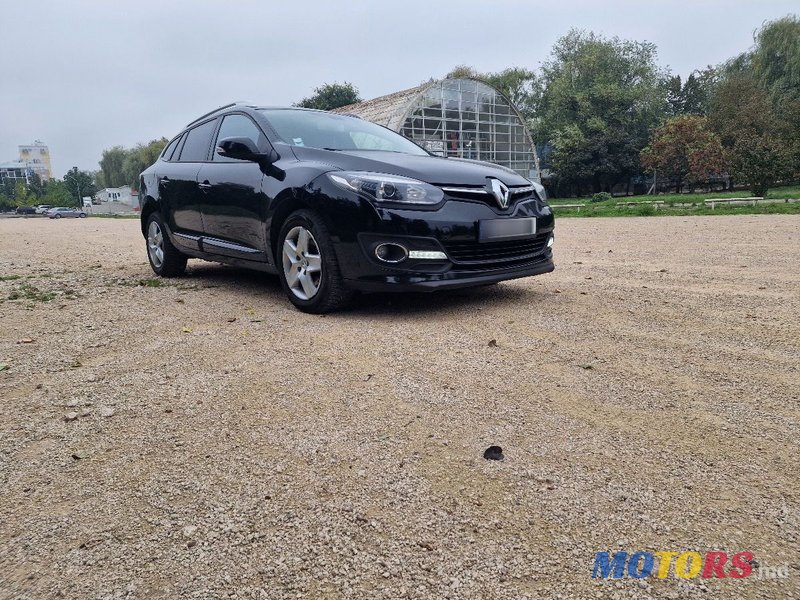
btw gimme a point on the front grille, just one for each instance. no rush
(518, 194)
(495, 253)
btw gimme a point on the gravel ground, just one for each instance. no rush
(202, 439)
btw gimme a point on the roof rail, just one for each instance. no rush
(208, 114)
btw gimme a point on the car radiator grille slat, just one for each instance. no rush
(478, 194)
(495, 252)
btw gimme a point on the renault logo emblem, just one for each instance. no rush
(500, 191)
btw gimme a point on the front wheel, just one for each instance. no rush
(165, 259)
(82, 215)
(308, 269)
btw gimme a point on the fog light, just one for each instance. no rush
(427, 255)
(550, 241)
(391, 253)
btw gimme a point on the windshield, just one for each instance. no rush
(330, 131)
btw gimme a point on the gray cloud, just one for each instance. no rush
(87, 75)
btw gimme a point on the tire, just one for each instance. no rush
(57, 216)
(82, 215)
(307, 265)
(165, 259)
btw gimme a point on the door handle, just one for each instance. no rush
(205, 185)
(164, 180)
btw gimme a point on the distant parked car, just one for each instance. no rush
(43, 208)
(63, 211)
(26, 210)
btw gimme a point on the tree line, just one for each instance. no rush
(68, 191)
(607, 117)
(121, 166)
(118, 166)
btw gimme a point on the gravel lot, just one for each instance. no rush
(203, 439)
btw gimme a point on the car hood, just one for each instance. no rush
(431, 169)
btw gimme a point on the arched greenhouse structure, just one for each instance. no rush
(464, 118)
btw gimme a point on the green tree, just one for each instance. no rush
(520, 85)
(100, 180)
(767, 113)
(600, 98)
(789, 134)
(675, 95)
(685, 149)
(740, 107)
(22, 196)
(36, 186)
(760, 161)
(693, 96)
(111, 165)
(57, 194)
(775, 61)
(79, 184)
(744, 117)
(7, 187)
(463, 72)
(137, 159)
(122, 166)
(331, 95)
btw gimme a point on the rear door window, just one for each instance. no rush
(198, 142)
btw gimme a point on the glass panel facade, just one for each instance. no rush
(465, 118)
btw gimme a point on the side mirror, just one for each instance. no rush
(243, 148)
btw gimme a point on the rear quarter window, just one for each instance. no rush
(198, 142)
(170, 149)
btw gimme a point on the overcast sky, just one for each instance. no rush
(86, 75)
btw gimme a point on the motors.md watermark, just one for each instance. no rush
(684, 565)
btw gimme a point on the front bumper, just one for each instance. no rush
(452, 229)
(452, 279)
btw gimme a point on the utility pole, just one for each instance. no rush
(78, 185)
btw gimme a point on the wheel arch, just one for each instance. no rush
(149, 206)
(287, 202)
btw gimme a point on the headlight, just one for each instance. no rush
(540, 190)
(387, 188)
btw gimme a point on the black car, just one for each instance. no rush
(334, 205)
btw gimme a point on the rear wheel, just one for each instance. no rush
(309, 270)
(165, 259)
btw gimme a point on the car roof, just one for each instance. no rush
(288, 108)
(233, 106)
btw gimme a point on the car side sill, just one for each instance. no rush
(186, 241)
(215, 246)
(254, 265)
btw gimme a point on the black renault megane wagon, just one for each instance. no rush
(334, 204)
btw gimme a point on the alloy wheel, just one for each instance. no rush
(155, 244)
(302, 263)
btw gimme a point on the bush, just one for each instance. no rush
(6, 203)
(601, 197)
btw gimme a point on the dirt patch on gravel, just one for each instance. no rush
(225, 445)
